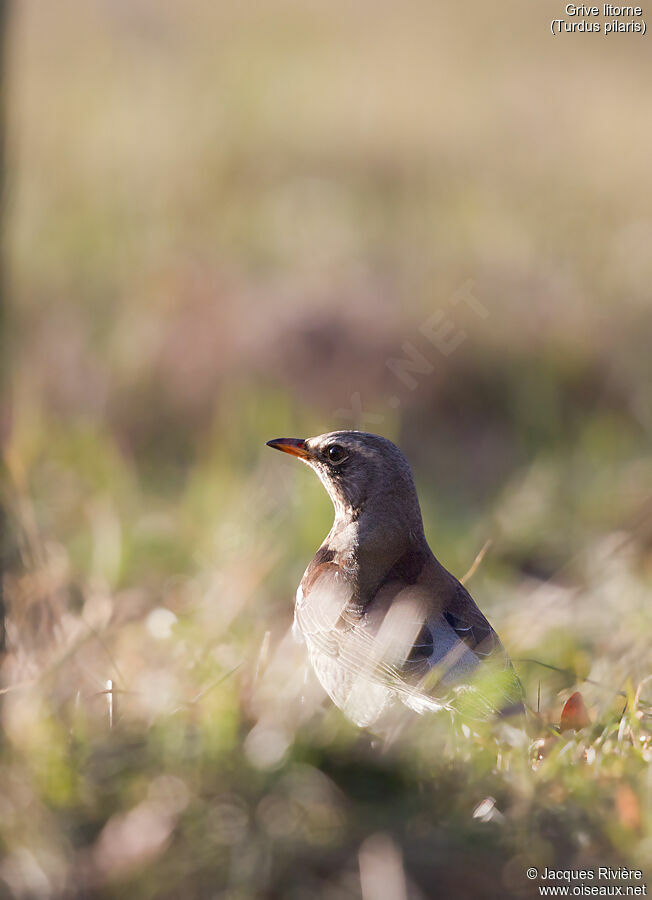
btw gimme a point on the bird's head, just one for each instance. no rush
(358, 470)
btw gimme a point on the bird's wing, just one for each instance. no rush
(466, 619)
(467, 656)
(403, 645)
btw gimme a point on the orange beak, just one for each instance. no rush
(293, 446)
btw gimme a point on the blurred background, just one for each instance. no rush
(225, 223)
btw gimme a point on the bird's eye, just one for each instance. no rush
(336, 454)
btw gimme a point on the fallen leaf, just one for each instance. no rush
(574, 715)
(629, 810)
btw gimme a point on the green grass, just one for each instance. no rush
(222, 768)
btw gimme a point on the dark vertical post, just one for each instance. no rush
(4, 412)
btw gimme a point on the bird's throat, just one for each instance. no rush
(370, 548)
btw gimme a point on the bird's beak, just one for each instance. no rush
(294, 446)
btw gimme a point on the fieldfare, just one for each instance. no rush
(382, 619)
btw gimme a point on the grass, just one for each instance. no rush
(221, 768)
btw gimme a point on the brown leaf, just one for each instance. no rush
(574, 715)
(629, 810)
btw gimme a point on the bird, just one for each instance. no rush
(384, 622)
